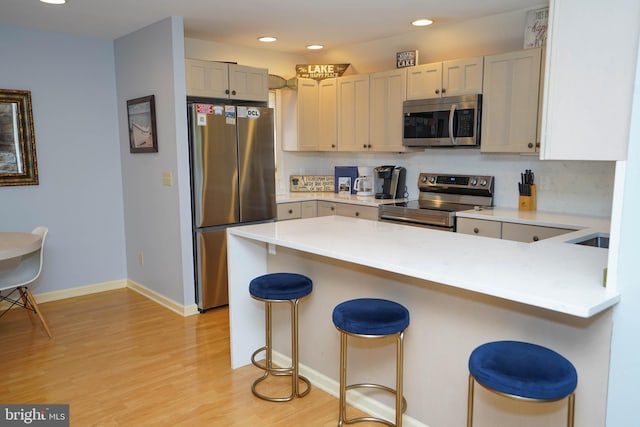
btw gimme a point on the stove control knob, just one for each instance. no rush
(432, 179)
(423, 179)
(483, 182)
(474, 182)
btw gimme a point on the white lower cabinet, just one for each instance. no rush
(507, 230)
(529, 233)
(295, 210)
(479, 227)
(347, 209)
(357, 211)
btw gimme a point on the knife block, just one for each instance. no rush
(528, 203)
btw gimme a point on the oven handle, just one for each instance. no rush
(452, 113)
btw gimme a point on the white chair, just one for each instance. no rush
(23, 271)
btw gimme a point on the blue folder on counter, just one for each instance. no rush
(344, 179)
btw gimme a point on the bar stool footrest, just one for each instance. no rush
(374, 419)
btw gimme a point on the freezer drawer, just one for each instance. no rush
(211, 268)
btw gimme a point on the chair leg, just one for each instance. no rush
(399, 376)
(343, 379)
(571, 409)
(470, 402)
(31, 302)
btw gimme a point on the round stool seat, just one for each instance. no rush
(280, 286)
(371, 316)
(523, 369)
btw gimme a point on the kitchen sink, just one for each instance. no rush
(595, 240)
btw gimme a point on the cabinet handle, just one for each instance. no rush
(437, 91)
(364, 146)
(530, 145)
(227, 91)
(476, 230)
(233, 92)
(357, 213)
(444, 90)
(290, 211)
(536, 238)
(369, 146)
(333, 145)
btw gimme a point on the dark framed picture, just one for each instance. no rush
(18, 165)
(142, 125)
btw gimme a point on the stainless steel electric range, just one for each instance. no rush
(440, 197)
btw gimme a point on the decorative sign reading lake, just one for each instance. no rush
(320, 71)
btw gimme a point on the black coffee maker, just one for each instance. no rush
(389, 182)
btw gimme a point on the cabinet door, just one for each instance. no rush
(288, 211)
(248, 83)
(327, 116)
(307, 104)
(326, 208)
(589, 79)
(510, 102)
(529, 233)
(353, 113)
(308, 209)
(357, 211)
(462, 76)
(479, 227)
(207, 78)
(424, 81)
(387, 93)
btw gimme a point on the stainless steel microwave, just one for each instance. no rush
(452, 121)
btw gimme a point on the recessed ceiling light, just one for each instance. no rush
(315, 46)
(54, 1)
(267, 39)
(422, 22)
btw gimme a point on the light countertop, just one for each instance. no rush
(550, 274)
(334, 197)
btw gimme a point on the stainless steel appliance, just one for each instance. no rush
(389, 182)
(440, 197)
(232, 183)
(452, 121)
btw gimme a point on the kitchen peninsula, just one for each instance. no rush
(461, 290)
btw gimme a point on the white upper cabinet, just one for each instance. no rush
(213, 79)
(386, 95)
(313, 108)
(589, 78)
(448, 78)
(353, 113)
(510, 102)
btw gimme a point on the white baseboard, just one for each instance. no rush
(80, 291)
(154, 296)
(180, 309)
(371, 406)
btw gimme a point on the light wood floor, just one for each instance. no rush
(119, 359)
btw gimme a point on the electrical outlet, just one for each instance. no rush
(141, 258)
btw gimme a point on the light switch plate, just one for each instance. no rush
(167, 178)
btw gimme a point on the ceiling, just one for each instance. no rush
(296, 23)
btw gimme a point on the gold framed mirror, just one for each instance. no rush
(18, 165)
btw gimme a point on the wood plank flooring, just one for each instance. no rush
(119, 359)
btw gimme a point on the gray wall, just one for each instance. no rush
(72, 84)
(157, 217)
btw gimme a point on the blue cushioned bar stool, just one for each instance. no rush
(371, 318)
(278, 288)
(524, 371)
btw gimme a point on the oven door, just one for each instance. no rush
(443, 122)
(427, 218)
(409, 221)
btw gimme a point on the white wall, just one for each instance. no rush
(72, 84)
(150, 61)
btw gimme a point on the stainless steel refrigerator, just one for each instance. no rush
(232, 183)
